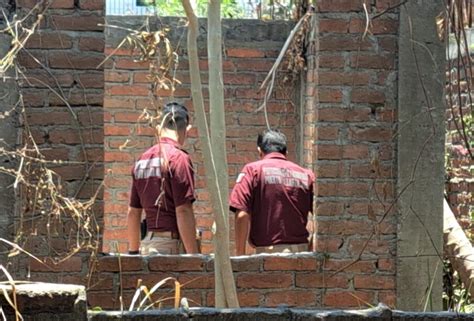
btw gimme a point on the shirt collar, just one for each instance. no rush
(274, 155)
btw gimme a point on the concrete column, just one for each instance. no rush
(8, 137)
(420, 157)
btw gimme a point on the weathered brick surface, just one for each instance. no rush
(63, 109)
(348, 115)
(354, 151)
(128, 93)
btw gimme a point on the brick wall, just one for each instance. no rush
(343, 130)
(62, 91)
(355, 94)
(459, 186)
(249, 54)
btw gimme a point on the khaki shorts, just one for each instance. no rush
(161, 243)
(282, 248)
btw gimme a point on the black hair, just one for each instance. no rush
(175, 116)
(271, 141)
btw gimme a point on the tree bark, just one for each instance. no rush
(458, 249)
(224, 278)
(213, 148)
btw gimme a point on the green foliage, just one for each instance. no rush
(229, 8)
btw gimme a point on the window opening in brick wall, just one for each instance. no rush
(127, 94)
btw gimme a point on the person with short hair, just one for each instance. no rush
(272, 199)
(163, 186)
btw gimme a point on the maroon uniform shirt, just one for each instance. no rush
(163, 179)
(278, 195)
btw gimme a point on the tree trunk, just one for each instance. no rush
(458, 249)
(213, 148)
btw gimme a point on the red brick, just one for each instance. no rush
(125, 103)
(127, 90)
(298, 298)
(115, 234)
(72, 264)
(149, 280)
(34, 98)
(68, 136)
(343, 78)
(321, 280)
(115, 208)
(361, 266)
(343, 114)
(377, 247)
(112, 76)
(329, 151)
(227, 65)
(239, 79)
(330, 95)
(54, 4)
(58, 153)
(243, 264)
(347, 299)
(377, 282)
(339, 5)
(386, 265)
(176, 263)
(249, 93)
(371, 134)
(327, 133)
(329, 208)
(73, 172)
(63, 60)
(245, 53)
(343, 43)
(91, 80)
(329, 170)
(86, 97)
(126, 117)
(369, 171)
(84, 22)
(264, 281)
(33, 60)
(276, 263)
(49, 40)
(42, 79)
(327, 244)
(347, 228)
(246, 298)
(92, 4)
(128, 63)
(197, 281)
(342, 189)
(386, 4)
(333, 26)
(355, 152)
(253, 65)
(91, 44)
(331, 61)
(373, 61)
(367, 96)
(388, 43)
(117, 157)
(378, 26)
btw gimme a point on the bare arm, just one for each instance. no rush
(187, 227)
(242, 228)
(133, 223)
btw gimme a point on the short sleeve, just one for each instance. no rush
(134, 196)
(182, 179)
(241, 196)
